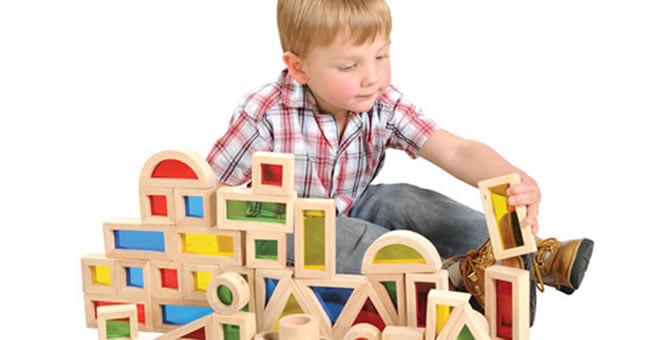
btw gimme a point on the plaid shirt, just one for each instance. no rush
(283, 117)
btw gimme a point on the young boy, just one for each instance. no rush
(335, 109)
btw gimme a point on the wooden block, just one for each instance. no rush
(326, 298)
(239, 209)
(249, 276)
(120, 329)
(228, 293)
(129, 238)
(363, 306)
(196, 280)
(167, 279)
(402, 333)
(267, 335)
(133, 278)
(509, 235)
(273, 174)
(363, 331)
(391, 291)
(507, 298)
(266, 282)
(236, 326)
(168, 314)
(418, 286)
(467, 324)
(266, 249)
(286, 300)
(299, 327)
(157, 205)
(442, 306)
(208, 246)
(195, 207)
(315, 238)
(178, 168)
(400, 252)
(99, 274)
(143, 305)
(203, 328)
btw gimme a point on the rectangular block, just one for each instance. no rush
(507, 298)
(143, 305)
(209, 246)
(417, 289)
(315, 238)
(130, 239)
(240, 209)
(508, 233)
(171, 313)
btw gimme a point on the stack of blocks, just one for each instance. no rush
(206, 264)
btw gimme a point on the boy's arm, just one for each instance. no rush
(472, 161)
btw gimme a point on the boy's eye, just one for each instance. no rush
(381, 57)
(347, 68)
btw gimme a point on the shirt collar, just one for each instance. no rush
(294, 94)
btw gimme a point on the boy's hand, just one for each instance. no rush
(526, 193)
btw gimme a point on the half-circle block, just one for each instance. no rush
(178, 168)
(400, 252)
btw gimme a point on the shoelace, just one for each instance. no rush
(476, 259)
(544, 250)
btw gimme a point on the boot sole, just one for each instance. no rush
(580, 264)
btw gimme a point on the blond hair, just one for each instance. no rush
(304, 24)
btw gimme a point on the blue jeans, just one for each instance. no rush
(452, 227)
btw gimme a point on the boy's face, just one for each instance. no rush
(347, 78)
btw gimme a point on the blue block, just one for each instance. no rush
(134, 277)
(180, 315)
(140, 240)
(194, 206)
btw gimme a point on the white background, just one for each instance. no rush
(90, 89)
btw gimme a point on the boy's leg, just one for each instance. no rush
(353, 237)
(452, 227)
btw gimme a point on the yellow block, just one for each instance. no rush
(101, 275)
(203, 244)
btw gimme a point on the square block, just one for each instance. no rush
(99, 274)
(273, 174)
(166, 277)
(266, 249)
(121, 328)
(196, 279)
(133, 277)
(195, 207)
(157, 205)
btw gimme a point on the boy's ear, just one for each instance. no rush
(295, 67)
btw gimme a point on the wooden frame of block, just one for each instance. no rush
(89, 273)
(436, 297)
(519, 238)
(466, 317)
(146, 208)
(94, 301)
(163, 286)
(123, 278)
(193, 277)
(117, 312)
(261, 186)
(402, 333)
(314, 306)
(279, 301)
(209, 207)
(399, 305)
(245, 321)
(164, 250)
(195, 170)
(324, 266)
(255, 261)
(439, 280)
(424, 257)
(519, 282)
(208, 245)
(208, 323)
(265, 223)
(260, 289)
(356, 303)
(157, 309)
(363, 331)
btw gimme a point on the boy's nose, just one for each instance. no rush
(369, 76)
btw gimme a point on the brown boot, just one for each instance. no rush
(562, 264)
